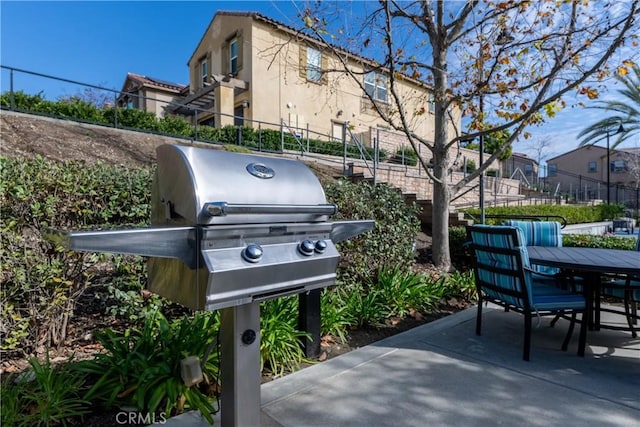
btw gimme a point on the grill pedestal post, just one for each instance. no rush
(309, 321)
(240, 365)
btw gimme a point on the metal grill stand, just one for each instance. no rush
(240, 365)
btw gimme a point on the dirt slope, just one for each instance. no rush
(23, 135)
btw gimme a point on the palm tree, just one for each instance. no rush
(626, 112)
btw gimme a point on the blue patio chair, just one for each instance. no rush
(503, 276)
(627, 289)
(540, 233)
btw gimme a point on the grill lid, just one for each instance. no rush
(206, 186)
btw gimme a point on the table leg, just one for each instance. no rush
(592, 300)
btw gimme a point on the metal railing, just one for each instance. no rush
(305, 141)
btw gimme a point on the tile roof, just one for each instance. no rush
(150, 81)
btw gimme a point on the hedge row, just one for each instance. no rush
(573, 213)
(262, 139)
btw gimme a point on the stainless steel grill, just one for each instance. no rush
(230, 230)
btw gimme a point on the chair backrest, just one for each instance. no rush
(539, 233)
(500, 260)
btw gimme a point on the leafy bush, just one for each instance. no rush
(406, 156)
(336, 316)
(141, 367)
(592, 241)
(280, 348)
(43, 395)
(391, 241)
(469, 166)
(24, 101)
(400, 291)
(459, 253)
(574, 214)
(364, 304)
(42, 281)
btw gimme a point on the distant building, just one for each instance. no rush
(582, 172)
(521, 167)
(149, 94)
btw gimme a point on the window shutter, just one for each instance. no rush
(225, 58)
(240, 49)
(325, 67)
(303, 61)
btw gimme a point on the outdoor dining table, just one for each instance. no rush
(590, 263)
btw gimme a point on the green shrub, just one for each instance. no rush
(256, 139)
(77, 108)
(391, 241)
(593, 241)
(178, 126)
(399, 291)
(44, 395)
(406, 156)
(280, 348)
(42, 281)
(141, 367)
(462, 285)
(336, 316)
(364, 304)
(469, 166)
(459, 253)
(236, 149)
(574, 214)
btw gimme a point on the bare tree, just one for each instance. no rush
(505, 65)
(632, 162)
(541, 147)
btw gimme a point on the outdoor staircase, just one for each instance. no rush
(416, 187)
(426, 206)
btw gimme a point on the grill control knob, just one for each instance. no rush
(306, 247)
(252, 253)
(320, 246)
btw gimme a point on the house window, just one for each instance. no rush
(204, 69)
(314, 65)
(375, 84)
(528, 169)
(593, 167)
(233, 56)
(618, 166)
(231, 53)
(553, 170)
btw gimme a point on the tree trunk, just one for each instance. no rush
(441, 191)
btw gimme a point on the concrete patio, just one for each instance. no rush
(442, 374)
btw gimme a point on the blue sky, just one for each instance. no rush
(99, 42)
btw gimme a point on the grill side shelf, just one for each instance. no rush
(174, 242)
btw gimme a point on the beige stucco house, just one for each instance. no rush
(583, 172)
(249, 69)
(149, 94)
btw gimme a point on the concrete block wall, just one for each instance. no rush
(413, 180)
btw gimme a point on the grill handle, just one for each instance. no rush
(224, 208)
